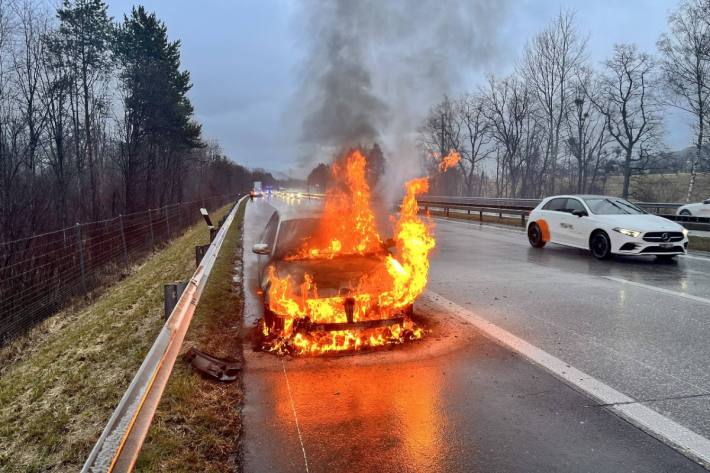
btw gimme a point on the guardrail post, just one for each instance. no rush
(172, 293)
(123, 240)
(480, 215)
(152, 237)
(522, 219)
(213, 233)
(200, 251)
(80, 245)
(447, 211)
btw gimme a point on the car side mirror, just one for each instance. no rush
(261, 249)
(580, 213)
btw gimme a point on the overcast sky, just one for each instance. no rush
(244, 57)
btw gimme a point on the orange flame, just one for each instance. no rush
(348, 228)
(450, 160)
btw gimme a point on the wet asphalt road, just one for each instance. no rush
(648, 339)
(459, 402)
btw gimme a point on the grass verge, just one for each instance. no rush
(197, 425)
(60, 383)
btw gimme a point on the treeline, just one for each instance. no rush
(95, 120)
(559, 123)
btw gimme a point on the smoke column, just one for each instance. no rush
(374, 68)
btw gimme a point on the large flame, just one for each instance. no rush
(346, 228)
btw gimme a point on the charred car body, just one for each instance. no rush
(336, 278)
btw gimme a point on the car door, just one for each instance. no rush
(553, 213)
(576, 228)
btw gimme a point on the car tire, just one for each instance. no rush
(535, 236)
(600, 245)
(685, 213)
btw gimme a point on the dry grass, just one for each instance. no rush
(60, 383)
(661, 187)
(197, 425)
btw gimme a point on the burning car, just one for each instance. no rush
(330, 282)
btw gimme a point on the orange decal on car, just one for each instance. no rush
(545, 230)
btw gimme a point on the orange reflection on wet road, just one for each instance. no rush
(348, 414)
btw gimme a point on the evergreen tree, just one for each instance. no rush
(158, 114)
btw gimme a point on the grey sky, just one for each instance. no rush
(243, 57)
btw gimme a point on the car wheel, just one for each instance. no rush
(600, 245)
(665, 258)
(535, 236)
(685, 213)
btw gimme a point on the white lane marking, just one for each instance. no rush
(659, 289)
(668, 431)
(293, 408)
(699, 258)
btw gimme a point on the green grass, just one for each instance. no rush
(61, 382)
(197, 425)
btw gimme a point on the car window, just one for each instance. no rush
(612, 206)
(574, 204)
(269, 233)
(558, 205)
(293, 234)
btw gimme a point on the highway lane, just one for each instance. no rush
(639, 326)
(453, 402)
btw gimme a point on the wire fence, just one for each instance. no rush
(40, 275)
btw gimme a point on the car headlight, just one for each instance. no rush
(685, 232)
(627, 232)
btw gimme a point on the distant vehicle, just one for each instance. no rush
(701, 209)
(606, 226)
(257, 187)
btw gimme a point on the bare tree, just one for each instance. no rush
(441, 133)
(549, 62)
(508, 104)
(686, 69)
(586, 129)
(629, 106)
(476, 130)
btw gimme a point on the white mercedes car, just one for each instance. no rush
(604, 225)
(701, 209)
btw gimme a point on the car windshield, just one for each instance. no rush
(612, 206)
(293, 234)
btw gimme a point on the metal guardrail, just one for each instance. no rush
(121, 440)
(522, 207)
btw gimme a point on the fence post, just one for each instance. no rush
(180, 222)
(123, 240)
(152, 238)
(80, 245)
(167, 219)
